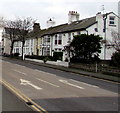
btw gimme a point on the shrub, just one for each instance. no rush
(66, 60)
(57, 56)
(16, 54)
(115, 59)
(39, 57)
(46, 59)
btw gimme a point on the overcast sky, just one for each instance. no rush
(42, 10)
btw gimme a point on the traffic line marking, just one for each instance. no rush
(22, 96)
(48, 82)
(84, 83)
(26, 82)
(66, 82)
(19, 72)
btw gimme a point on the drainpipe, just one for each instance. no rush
(104, 19)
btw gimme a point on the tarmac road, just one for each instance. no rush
(56, 90)
(11, 103)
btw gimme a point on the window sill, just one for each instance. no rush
(112, 25)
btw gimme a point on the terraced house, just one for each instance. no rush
(56, 38)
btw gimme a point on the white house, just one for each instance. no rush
(56, 38)
(1, 31)
(119, 16)
(28, 47)
(5, 42)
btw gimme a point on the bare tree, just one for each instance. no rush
(116, 41)
(24, 25)
(11, 33)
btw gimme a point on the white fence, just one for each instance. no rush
(59, 63)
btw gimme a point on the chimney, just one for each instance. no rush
(50, 23)
(73, 16)
(36, 27)
(99, 16)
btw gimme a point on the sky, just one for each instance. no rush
(42, 10)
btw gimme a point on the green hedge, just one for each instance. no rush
(57, 56)
(39, 57)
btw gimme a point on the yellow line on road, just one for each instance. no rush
(22, 96)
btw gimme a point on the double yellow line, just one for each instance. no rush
(23, 97)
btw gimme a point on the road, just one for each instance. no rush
(56, 90)
(11, 103)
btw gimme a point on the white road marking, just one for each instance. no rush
(66, 82)
(45, 72)
(26, 82)
(19, 72)
(84, 83)
(47, 82)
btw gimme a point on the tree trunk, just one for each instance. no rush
(23, 43)
(11, 49)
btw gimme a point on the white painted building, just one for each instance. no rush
(1, 46)
(101, 24)
(55, 38)
(119, 16)
(5, 42)
(28, 47)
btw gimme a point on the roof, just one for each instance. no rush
(74, 26)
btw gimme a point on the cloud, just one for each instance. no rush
(43, 9)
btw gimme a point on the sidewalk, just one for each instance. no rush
(78, 71)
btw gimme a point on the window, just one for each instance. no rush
(60, 50)
(55, 49)
(78, 33)
(17, 50)
(96, 30)
(60, 39)
(31, 42)
(46, 51)
(112, 20)
(69, 36)
(48, 39)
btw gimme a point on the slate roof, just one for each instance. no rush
(74, 26)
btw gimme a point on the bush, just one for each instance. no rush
(46, 59)
(39, 57)
(115, 59)
(82, 60)
(16, 54)
(57, 56)
(66, 60)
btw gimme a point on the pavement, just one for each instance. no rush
(78, 71)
